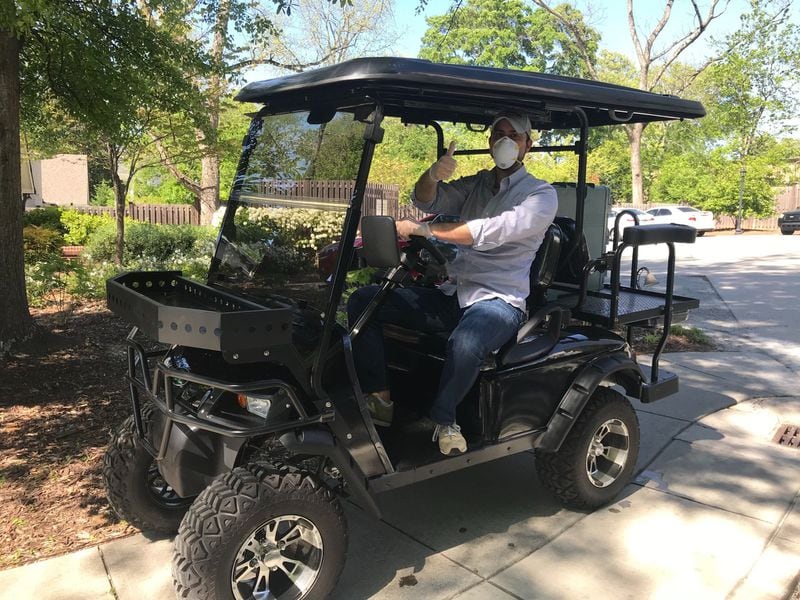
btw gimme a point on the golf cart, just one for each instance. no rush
(248, 420)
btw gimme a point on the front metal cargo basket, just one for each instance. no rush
(172, 309)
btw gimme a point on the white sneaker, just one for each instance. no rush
(451, 442)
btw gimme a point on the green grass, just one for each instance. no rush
(692, 334)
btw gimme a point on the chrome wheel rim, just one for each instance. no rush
(608, 453)
(280, 560)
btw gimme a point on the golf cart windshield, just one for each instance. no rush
(289, 200)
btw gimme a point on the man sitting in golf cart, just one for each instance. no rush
(504, 214)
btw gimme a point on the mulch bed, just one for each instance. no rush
(61, 394)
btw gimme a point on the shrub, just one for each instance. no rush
(692, 334)
(161, 242)
(40, 243)
(100, 243)
(103, 194)
(87, 279)
(80, 226)
(49, 217)
(301, 233)
(45, 279)
(153, 247)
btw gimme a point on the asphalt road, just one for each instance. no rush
(755, 277)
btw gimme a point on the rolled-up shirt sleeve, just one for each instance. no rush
(532, 216)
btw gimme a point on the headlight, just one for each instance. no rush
(258, 405)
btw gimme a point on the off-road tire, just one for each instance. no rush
(234, 506)
(787, 231)
(564, 472)
(126, 466)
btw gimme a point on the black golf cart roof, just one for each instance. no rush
(420, 91)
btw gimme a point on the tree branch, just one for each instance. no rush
(296, 67)
(635, 36)
(182, 178)
(651, 39)
(576, 37)
(675, 50)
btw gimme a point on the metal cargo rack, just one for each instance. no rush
(172, 309)
(630, 307)
(615, 305)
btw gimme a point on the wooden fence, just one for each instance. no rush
(160, 214)
(788, 199)
(379, 198)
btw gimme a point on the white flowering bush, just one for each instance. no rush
(294, 235)
(46, 280)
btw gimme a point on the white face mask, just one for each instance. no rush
(505, 153)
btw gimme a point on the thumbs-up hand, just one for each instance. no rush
(445, 166)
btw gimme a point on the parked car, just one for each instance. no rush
(789, 222)
(702, 220)
(626, 220)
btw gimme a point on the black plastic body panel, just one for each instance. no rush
(789, 221)
(317, 442)
(194, 456)
(667, 385)
(617, 367)
(379, 242)
(524, 397)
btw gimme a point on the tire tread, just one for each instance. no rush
(227, 499)
(119, 463)
(557, 470)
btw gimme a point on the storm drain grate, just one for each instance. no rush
(788, 435)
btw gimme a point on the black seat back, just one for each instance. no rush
(574, 252)
(544, 266)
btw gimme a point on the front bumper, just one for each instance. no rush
(193, 442)
(791, 223)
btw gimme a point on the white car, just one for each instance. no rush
(626, 220)
(702, 220)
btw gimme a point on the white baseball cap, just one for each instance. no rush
(519, 121)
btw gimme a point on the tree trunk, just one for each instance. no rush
(206, 192)
(635, 139)
(209, 166)
(15, 318)
(120, 190)
(209, 187)
(311, 172)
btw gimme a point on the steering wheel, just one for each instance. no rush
(417, 243)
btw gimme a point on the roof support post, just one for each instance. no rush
(582, 150)
(373, 135)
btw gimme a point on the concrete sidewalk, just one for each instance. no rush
(713, 513)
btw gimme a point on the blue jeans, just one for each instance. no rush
(475, 332)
